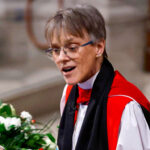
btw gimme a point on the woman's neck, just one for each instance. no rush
(88, 84)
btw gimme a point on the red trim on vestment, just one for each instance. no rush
(114, 113)
(69, 87)
(121, 93)
(116, 105)
(121, 86)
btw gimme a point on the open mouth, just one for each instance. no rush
(67, 69)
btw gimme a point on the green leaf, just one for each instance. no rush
(36, 137)
(11, 127)
(51, 137)
(2, 128)
(24, 137)
(5, 111)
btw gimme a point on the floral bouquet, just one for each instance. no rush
(20, 133)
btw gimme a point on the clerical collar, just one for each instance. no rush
(89, 83)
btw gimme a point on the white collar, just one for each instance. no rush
(89, 83)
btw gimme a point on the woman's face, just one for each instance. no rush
(82, 64)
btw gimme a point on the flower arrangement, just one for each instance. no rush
(20, 132)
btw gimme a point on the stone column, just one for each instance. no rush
(13, 47)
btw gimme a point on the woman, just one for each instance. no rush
(100, 109)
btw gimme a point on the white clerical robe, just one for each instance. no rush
(134, 133)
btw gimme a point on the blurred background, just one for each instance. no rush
(31, 82)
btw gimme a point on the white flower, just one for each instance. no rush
(52, 146)
(12, 121)
(2, 119)
(1, 148)
(26, 115)
(26, 136)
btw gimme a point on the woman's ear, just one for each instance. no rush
(100, 46)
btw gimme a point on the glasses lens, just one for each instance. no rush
(56, 51)
(71, 51)
(49, 52)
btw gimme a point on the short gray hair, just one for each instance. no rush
(75, 21)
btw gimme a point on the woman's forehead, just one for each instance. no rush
(63, 37)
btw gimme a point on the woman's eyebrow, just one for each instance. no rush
(69, 40)
(65, 42)
(54, 45)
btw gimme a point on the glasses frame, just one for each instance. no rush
(49, 51)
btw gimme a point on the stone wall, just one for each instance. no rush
(21, 61)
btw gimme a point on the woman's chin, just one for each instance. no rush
(71, 81)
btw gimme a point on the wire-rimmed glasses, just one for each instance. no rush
(69, 50)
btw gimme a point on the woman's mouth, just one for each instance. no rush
(68, 69)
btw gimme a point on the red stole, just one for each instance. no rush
(119, 96)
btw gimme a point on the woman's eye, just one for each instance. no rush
(56, 50)
(73, 47)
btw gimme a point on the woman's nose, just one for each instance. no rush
(63, 55)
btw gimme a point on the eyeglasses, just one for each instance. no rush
(69, 50)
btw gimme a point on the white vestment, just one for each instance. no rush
(134, 133)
